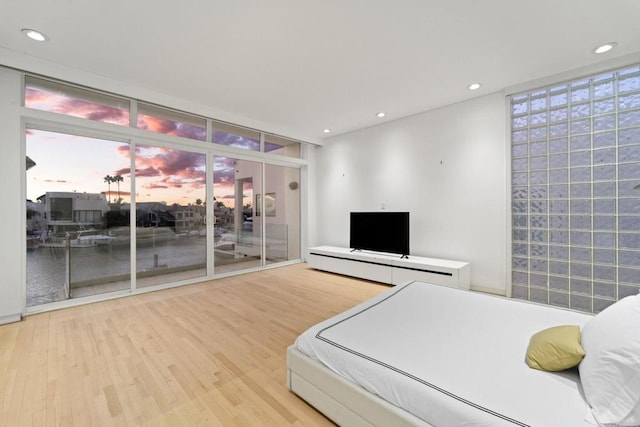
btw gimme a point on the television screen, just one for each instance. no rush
(380, 232)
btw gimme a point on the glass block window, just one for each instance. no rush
(575, 163)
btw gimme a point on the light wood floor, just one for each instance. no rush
(212, 354)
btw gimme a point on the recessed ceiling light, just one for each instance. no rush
(325, 130)
(380, 114)
(35, 35)
(473, 86)
(605, 47)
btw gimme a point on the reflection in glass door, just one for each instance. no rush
(282, 213)
(170, 215)
(237, 231)
(77, 237)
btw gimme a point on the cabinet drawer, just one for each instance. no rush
(349, 267)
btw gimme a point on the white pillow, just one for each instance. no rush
(610, 370)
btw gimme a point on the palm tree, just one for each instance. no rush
(118, 179)
(108, 179)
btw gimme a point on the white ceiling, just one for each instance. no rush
(298, 66)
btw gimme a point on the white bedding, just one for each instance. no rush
(451, 357)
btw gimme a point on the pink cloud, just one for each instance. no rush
(170, 168)
(155, 124)
(152, 185)
(123, 171)
(175, 167)
(62, 104)
(146, 172)
(125, 150)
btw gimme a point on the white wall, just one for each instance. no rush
(447, 167)
(12, 163)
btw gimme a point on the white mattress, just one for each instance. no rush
(451, 357)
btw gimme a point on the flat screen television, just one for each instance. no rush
(380, 232)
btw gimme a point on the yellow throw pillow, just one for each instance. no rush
(555, 349)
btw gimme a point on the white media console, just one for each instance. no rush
(389, 268)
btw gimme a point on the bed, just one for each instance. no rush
(428, 355)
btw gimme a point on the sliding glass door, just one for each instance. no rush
(282, 213)
(237, 200)
(170, 215)
(87, 198)
(77, 242)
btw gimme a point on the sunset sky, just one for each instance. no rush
(75, 163)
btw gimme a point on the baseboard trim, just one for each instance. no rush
(486, 290)
(10, 318)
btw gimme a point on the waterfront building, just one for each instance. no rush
(59, 212)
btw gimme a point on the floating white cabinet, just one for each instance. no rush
(390, 268)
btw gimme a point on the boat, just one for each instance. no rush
(90, 238)
(226, 243)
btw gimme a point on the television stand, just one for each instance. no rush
(390, 268)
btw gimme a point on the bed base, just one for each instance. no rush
(340, 400)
